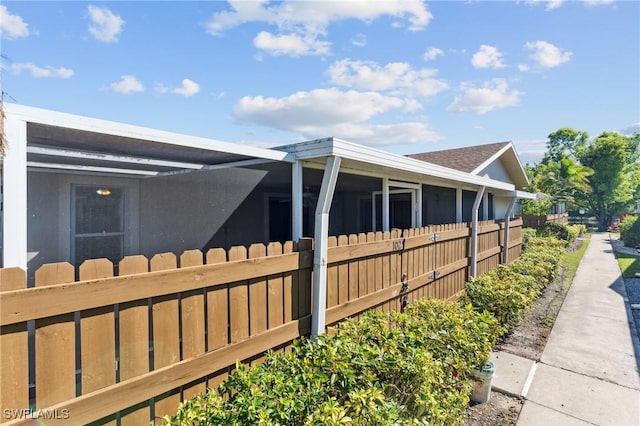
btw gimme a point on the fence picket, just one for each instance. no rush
(55, 344)
(287, 283)
(275, 288)
(305, 280)
(343, 274)
(134, 340)
(353, 272)
(217, 325)
(166, 334)
(332, 277)
(192, 311)
(238, 301)
(14, 370)
(257, 295)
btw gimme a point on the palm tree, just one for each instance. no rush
(564, 179)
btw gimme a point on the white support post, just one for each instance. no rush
(485, 206)
(14, 175)
(296, 200)
(321, 235)
(458, 205)
(385, 204)
(419, 207)
(507, 223)
(474, 231)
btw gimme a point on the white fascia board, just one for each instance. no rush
(77, 122)
(348, 150)
(526, 195)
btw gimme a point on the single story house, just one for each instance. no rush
(75, 188)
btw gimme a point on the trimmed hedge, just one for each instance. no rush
(630, 231)
(509, 291)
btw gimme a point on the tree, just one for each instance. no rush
(563, 179)
(616, 177)
(565, 142)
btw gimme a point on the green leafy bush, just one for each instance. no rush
(509, 291)
(398, 368)
(526, 234)
(557, 230)
(630, 231)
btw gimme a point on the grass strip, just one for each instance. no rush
(629, 264)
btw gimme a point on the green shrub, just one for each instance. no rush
(382, 369)
(509, 291)
(578, 229)
(526, 234)
(557, 230)
(630, 231)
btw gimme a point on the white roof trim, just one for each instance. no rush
(525, 195)
(77, 122)
(332, 146)
(491, 159)
(497, 155)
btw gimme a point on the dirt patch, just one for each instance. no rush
(501, 410)
(528, 341)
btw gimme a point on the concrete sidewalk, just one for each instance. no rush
(588, 373)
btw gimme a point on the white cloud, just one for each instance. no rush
(524, 67)
(487, 57)
(12, 26)
(290, 44)
(379, 134)
(360, 40)
(127, 84)
(332, 112)
(318, 107)
(316, 16)
(494, 94)
(432, 53)
(41, 72)
(188, 88)
(546, 54)
(552, 4)
(631, 129)
(399, 78)
(598, 2)
(309, 20)
(530, 150)
(106, 26)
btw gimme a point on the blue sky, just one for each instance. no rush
(404, 76)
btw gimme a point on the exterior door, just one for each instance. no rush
(97, 223)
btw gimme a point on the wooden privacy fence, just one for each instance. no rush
(538, 222)
(126, 349)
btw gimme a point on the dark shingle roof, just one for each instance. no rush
(465, 159)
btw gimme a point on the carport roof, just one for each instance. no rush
(58, 140)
